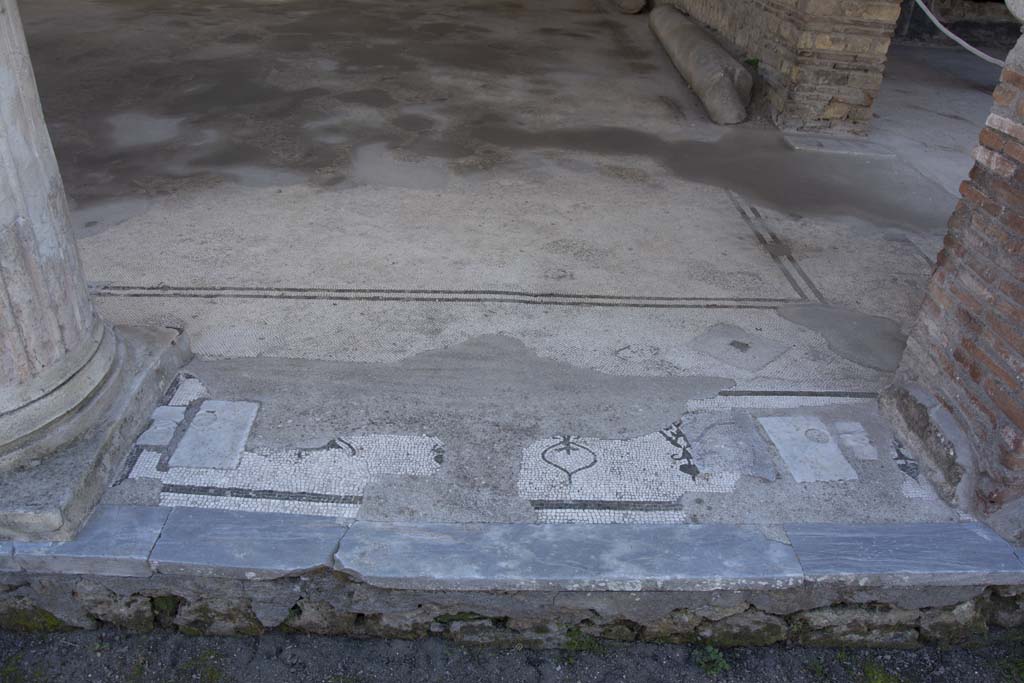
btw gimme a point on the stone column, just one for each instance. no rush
(959, 395)
(54, 350)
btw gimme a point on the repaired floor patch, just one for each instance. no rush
(868, 340)
(737, 347)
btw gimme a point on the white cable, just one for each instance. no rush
(957, 39)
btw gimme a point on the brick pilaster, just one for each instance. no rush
(967, 349)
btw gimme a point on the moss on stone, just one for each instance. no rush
(165, 608)
(31, 620)
(748, 629)
(202, 619)
(621, 630)
(578, 641)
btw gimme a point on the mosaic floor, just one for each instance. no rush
(195, 446)
(690, 322)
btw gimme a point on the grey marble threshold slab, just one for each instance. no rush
(244, 545)
(191, 542)
(7, 563)
(572, 557)
(905, 554)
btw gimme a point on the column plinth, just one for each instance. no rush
(73, 391)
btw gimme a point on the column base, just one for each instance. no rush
(61, 471)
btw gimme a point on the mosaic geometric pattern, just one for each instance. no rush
(322, 481)
(325, 481)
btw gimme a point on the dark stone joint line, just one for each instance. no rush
(261, 494)
(612, 505)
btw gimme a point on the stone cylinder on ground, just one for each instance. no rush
(722, 84)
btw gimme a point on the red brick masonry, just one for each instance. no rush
(967, 348)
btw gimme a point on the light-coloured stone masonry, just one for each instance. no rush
(821, 61)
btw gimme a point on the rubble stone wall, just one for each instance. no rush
(331, 603)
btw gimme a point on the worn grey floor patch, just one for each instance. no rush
(832, 144)
(141, 491)
(408, 498)
(485, 399)
(807, 448)
(868, 340)
(737, 347)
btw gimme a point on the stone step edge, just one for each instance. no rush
(139, 541)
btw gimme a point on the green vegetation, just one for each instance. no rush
(13, 672)
(1013, 669)
(873, 672)
(817, 669)
(711, 660)
(578, 641)
(165, 607)
(205, 668)
(31, 620)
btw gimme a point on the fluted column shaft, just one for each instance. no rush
(54, 351)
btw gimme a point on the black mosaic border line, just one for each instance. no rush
(427, 296)
(424, 292)
(608, 505)
(257, 494)
(789, 257)
(767, 238)
(783, 393)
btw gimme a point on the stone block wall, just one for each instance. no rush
(966, 353)
(821, 60)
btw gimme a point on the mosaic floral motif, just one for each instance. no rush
(904, 461)
(677, 439)
(569, 456)
(656, 467)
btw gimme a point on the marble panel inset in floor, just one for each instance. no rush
(808, 448)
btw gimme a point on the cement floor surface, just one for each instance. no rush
(441, 223)
(163, 657)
